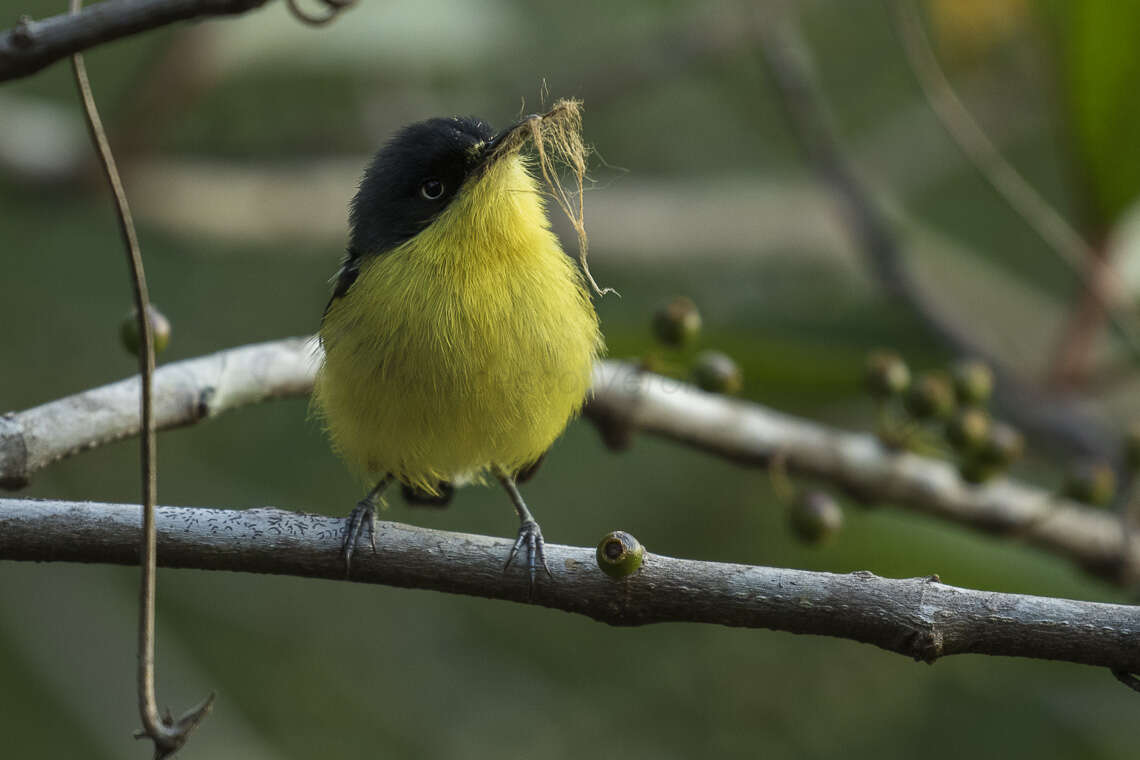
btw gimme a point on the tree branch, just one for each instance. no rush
(32, 45)
(859, 464)
(185, 392)
(189, 391)
(917, 617)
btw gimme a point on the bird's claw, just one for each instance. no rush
(364, 510)
(530, 536)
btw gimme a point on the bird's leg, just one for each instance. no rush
(530, 535)
(365, 509)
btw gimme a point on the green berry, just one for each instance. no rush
(651, 362)
(1132, 447)
(717, 373)
(886, 375)
(677, 323)
(815, 516)
(1092, 483)
(1003, 446)
(975, 470)
(620, 554)
(616, 431)
(968, 429)
(973, 382)
(931, 397)
(129, 331)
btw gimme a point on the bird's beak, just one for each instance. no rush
(506, 142)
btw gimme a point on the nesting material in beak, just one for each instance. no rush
(557, 138)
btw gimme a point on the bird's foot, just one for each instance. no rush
(363, 512)
(530, 537)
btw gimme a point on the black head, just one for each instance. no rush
(412, 179)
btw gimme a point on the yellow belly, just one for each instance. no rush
(468, 347)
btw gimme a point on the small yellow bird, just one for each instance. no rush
(460, 337)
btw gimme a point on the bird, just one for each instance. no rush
(459, 339)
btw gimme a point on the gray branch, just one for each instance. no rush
(184, 393)
(32, 45)
(623, 398)
(860, 465)
(917, 617)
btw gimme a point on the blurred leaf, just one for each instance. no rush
(1099, 72)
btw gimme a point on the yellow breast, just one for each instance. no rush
(471, 345)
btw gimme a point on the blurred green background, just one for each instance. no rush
(241, 141)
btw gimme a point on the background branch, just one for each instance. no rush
(1060, 236)
(32, 45)
(790, 64)
(1096, 272)
(185, 392)
(918, 617)
(192, 390)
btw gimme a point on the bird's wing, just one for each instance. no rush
(347, 274)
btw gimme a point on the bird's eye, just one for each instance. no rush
(432, 189)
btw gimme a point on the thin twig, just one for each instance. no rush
(167, 734)
(624, 397)
(917, 617)
(1059, 236)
